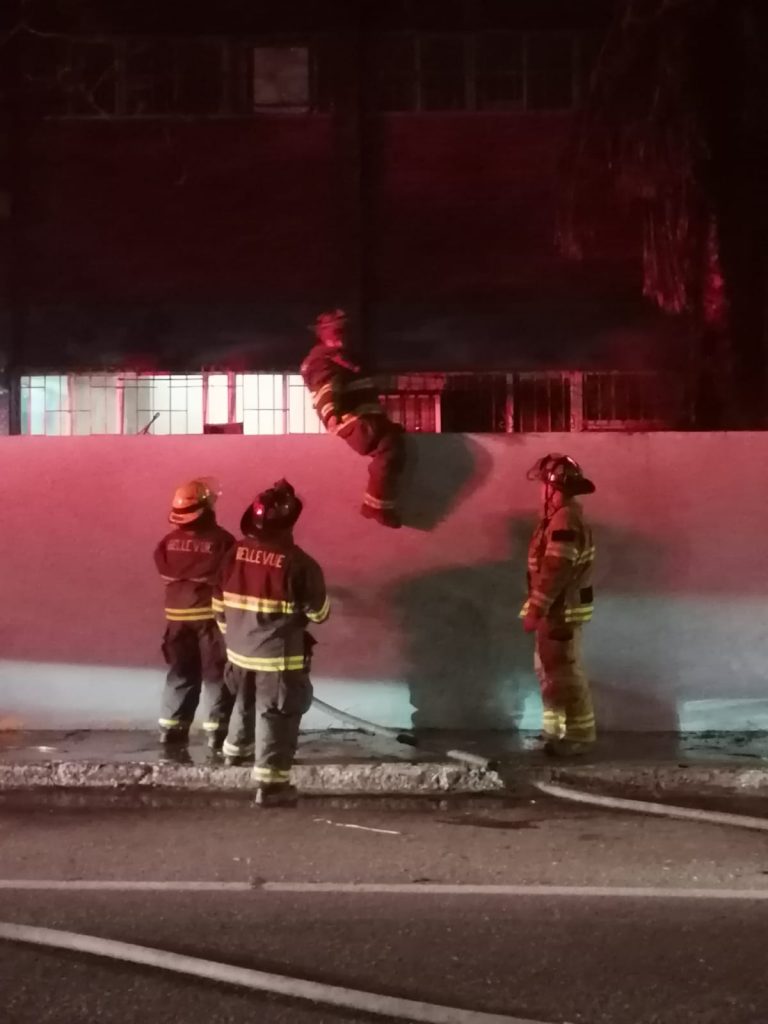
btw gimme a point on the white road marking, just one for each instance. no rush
(361, 828)
(385, 889)
(296, 988)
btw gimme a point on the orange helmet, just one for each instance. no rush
(190, 501)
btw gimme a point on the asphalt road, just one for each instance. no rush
(577, 957)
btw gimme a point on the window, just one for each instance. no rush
(500, 71)
(280, 77)
(278, 403)
(174, 403)
(485, 71)
(170, 77)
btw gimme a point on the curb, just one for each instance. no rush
(326, 779)
(400, 779)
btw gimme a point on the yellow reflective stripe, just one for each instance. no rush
(326, 389)
(292, 663)
(368, 499)
(236, 750)
(270, 774)
(322, 614)
(267, 605)
(217, 604)
(222, 626)
(168, 723)
(364, 384)
(168, 579)
(212, 726)
(580, 609)
(557, 550)
(188, 614)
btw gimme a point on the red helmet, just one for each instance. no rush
(562, 473)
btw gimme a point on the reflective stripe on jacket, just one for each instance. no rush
(560, 561)
(269, 591)
(338, 388)
(189, 561)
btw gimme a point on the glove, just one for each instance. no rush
(531, 622)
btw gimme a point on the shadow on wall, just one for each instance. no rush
(623, 670)
(468, 661)
(432, 487)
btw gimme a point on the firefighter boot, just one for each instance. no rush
(173, 736)
(215, 741)
(384, 516)
(567, 748)
(276, 794)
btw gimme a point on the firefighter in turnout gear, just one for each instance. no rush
(348, 405)
(271, 589)
(560, 601)
(189, 562)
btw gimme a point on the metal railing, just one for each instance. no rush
(278, 403)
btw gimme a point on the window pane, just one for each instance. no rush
(149, 77)
(550, 71)
(302, 417)
(500, 53)
(217, 410)
(280, 76)
(500, 71)
(442, 72)
(393, 72)
(261, 407)
(198, 85)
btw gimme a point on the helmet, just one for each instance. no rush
(276, 509)
(191, 501)
(562, 473)
(332, 317)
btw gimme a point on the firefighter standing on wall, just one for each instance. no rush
(348, 404)
(560, 601)
(270, 590)
(189, 561)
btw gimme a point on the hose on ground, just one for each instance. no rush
(613, 803)
(260, 981)
(399, 735)
(616, 803)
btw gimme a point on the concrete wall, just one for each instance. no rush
(424, 621)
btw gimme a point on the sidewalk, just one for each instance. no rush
(351, 763)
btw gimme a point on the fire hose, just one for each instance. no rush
(551, 789)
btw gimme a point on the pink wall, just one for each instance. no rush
(424, 619)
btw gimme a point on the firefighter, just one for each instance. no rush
(560, 601)
(270, 590)
(348, 405)
(189, 561)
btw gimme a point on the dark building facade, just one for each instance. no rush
(187, 185)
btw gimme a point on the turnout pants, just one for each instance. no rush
(266, 718)
(196, 658)
(568, 711)
(382, 440)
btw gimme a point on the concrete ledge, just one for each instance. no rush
(381, 778)
(663, 780)
(329, 779)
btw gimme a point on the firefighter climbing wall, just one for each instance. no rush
(424, 625)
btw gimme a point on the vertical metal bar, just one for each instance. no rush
(418, 96)
(470, 70)
(120, 404)
(509, 403)
(576, 69)
(576, 387)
